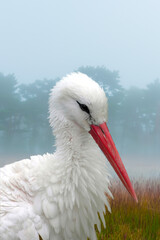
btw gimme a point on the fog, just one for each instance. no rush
(114, 42)
(47, 39)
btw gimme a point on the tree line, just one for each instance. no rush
(134, 114)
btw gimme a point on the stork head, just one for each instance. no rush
(79, 99)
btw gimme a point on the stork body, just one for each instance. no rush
(57, 196)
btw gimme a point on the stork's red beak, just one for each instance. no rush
(104, 140)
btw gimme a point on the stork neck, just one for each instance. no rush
(71, 138)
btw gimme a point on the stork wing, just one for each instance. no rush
(18, 219)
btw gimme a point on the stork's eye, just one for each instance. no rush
(84, 107)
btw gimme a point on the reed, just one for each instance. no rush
(130, 220)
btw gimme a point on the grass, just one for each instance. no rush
(132, 221)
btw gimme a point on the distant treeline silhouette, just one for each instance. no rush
(134, 114)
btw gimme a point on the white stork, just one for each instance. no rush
(57, 196)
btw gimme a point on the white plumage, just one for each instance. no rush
(57, 196)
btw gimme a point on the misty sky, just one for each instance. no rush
(49, 38)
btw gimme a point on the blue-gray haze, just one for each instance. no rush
(46, 39)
